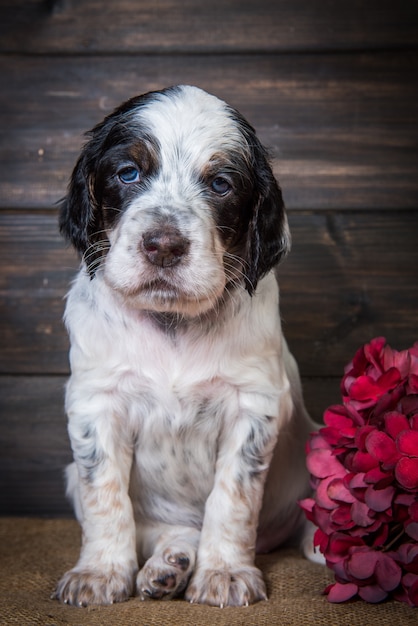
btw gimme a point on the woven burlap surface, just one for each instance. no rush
(34, 553)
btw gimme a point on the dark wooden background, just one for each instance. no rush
(331, 86)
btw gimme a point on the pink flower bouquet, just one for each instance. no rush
(364, 469)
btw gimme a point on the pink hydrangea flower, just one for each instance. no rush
(364, 472)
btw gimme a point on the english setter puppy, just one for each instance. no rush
(185, 410)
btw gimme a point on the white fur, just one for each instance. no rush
(163, 420)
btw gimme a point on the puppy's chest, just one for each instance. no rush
(175, 457)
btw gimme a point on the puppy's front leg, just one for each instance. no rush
(107, 565)
(225, 572)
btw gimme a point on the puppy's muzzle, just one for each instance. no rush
(164, 247)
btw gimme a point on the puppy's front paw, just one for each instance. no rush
(227, 587)
(86, 587)
(164, 576)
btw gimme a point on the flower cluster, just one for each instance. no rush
(364, 470)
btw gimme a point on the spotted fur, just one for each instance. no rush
(184, 403)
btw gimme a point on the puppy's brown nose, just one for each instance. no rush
(164, 247)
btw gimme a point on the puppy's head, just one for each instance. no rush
(174, 204)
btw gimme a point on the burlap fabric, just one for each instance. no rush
(34, 553)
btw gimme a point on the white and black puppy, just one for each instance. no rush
(185, 411)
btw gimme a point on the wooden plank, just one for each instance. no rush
(343, 129)
(34, 445)
(349, 278)
(320, 393)
(199, 26)
(36, 269)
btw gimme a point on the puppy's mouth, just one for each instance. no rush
(161, 289)
(162, 296)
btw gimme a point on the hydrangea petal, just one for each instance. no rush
(381, 536)
(409, 406)
(406, 499)
(379, 499)
(323, 520)
(398, 360)
(413, 594)
(360, 514)
(361, 435)
(323, 496)
(388, 573)
(336, 416)
(389, 380)
(321, 463)
(338, 491)
(374, 349)
(355, 415)
(407, 442)
(364, 388)
(395, 423)
(321, 540)
(406, 472)
(339, 544)
(412, 530)
(381, 447)
(389, 401)
(413, 511)
(339, 572)
(362, 563)
(342, 517)
(413, 383)
(308, 506)
(339, 592)
(406, 554)
(372, 593)
(409, 579)
(363, 462)
(376, 476)
(331, 435)
(358, 481)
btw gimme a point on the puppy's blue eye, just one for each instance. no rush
(220, 186)
(129, 175)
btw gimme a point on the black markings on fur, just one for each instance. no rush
(183, 562)
(253, 452)
(267, 238)
(96, 198)
(87, 455)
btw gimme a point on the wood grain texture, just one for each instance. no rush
(163, 26)
(343, 130)
(34, 446)
(349, 277)
(35, 272)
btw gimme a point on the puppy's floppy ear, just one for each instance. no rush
(80, 221)
(268, 234)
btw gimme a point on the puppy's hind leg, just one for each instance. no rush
(169, 553)
(307, 544)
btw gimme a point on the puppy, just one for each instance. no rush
(185, 410)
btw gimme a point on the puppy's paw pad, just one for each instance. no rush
(164, 577)
(179, 560)
(84, 587)
(225, 587)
